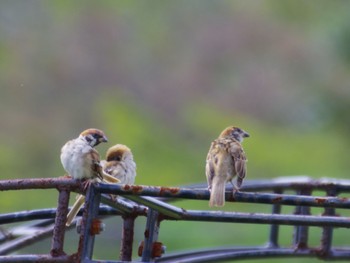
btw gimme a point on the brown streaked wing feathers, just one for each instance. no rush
(211, 162)
(240, 163)
(95, 163)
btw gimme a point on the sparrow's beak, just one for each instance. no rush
(246, 135)
(103, 139)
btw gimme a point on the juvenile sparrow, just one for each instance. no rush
(225, 160)
(119, 164)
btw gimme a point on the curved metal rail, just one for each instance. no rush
(153, 202)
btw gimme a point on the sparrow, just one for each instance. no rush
(119, 164)
(225, 160)
(80, 159)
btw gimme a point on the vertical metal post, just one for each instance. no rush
(327, 233)
(301, 233)
(151, 235)
(273, 239)
(60, 224)
(87, 239)
(127, 238)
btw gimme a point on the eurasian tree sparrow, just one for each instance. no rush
(119, 164)
(81, 160)
(225, 160)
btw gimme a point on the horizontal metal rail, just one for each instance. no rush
(41, 183)
(215, 255)
(153, 202)
(204, 194)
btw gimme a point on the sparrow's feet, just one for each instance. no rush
(113, 197)
(86, 184)
(235, 189)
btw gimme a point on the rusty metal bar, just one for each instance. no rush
(287, 183)
(204, 194)
(259, 218)
(40, 183)
(151, 235)
(35, 258)
(127, 238)
(274, 229)
(21, 242)
(218, 255)
(87, 238)
(60, 224)
(162, 207)
(125, 207)
(51, 213)
(327, 233)
(27, 215)
(296, 182)
(301, 232)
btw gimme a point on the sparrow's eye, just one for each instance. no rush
(89, 138)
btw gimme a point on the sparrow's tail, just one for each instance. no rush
(75, 209)
(217, 194)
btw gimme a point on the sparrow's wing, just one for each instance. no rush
(93, 158)
(212, 162)
(240, 161)
(115, 170)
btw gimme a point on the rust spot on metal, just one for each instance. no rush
(157, 249)
(140, 249)
(146, 233)
(96, 227)
(320, 200)
(126, 187)
(136, 189)
(277, 199)
(301, 246)
(171, 190)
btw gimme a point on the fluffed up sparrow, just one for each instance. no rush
(225, 160)
(119, 164)
(81, 160)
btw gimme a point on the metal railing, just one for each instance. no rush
(153, 203)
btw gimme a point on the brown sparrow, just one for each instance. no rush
(119, 164)
(225, 160)
(81, 160)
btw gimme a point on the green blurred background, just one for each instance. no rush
(165, 77)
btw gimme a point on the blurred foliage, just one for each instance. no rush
(165, 77)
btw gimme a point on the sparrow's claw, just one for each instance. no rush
(235, 189)
(113, 197)
(86, 184)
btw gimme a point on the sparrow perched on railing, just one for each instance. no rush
(225, 160)
(119, 164)
(81, 160)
